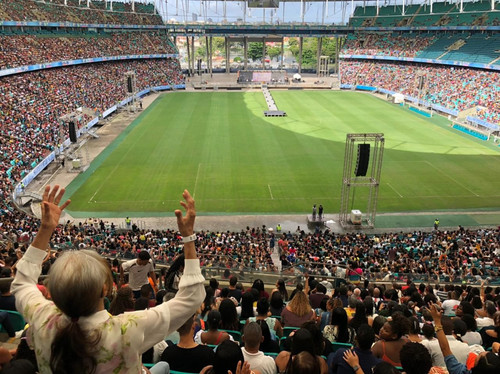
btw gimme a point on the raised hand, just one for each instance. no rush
(186, 224)
(51, 211)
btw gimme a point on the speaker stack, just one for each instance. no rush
(363, 160)
(72, 132)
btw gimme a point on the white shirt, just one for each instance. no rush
(484, 322)
(137, 274)
(449, 306)
(459, 349)
(123, 338)
(259, 361)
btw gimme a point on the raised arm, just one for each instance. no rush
(443, 342)
(186, 224)
(30, 265)
(51, 212)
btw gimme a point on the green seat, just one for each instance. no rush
(271, 354)
(288, 330)
(337, 345)
(16, 319)
(235, 334)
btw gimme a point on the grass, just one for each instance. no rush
(220, 147)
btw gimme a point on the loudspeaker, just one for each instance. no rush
(72, 132)
(363, 160)
(130, 89)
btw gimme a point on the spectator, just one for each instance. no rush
(187, 355)
(82, 321)
(460, 349)
(391, 339)
(263, 314)
(138, 269)
(415, 359)
(212, 335)
(229, 316)
(297, 311)
(364, 341)
(338, 330)
(301, 340)
(252, 338)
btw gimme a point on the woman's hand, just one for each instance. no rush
(51, 211)
(186, 224)
(351, 358)
(435, 313)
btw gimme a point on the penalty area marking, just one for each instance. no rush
(394, 190)
(270, 192)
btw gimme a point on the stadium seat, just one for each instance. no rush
(17, 320)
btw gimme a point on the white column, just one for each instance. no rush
(133, 5)
(431, 6)
(377, 7)
(352, 8)
(404, 10)
(461, 6)
(88, 3)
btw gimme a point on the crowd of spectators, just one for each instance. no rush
(459, 256)
(30, 10)
(456, 88)
(387, 44)
(22, 50)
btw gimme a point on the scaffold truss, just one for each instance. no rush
(369, 183)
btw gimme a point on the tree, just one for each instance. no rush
(273, 52)
(255, 51)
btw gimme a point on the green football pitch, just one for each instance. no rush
(220, 147)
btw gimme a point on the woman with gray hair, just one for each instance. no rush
(73, 333)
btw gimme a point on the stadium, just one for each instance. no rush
(387, 116)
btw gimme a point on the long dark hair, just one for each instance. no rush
(172, 272)
(246, 306)
(229, 315)
(339, 319)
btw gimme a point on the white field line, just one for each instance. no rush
(270, 192)
(453, 179)
(196, 180)
(394, 190)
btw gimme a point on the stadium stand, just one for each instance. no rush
(443, 14)
(452, 87)
(33, 102)
(21, 50)
(29, 10)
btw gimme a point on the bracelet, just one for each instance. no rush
(189, 239)
(438, 328)
(355, 368)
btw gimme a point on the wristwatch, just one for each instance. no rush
(356, 368)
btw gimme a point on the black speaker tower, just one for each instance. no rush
(363, 160)
(72, 132)
(130, 89)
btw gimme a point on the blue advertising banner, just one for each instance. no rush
(423, 61)
(57, 64)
